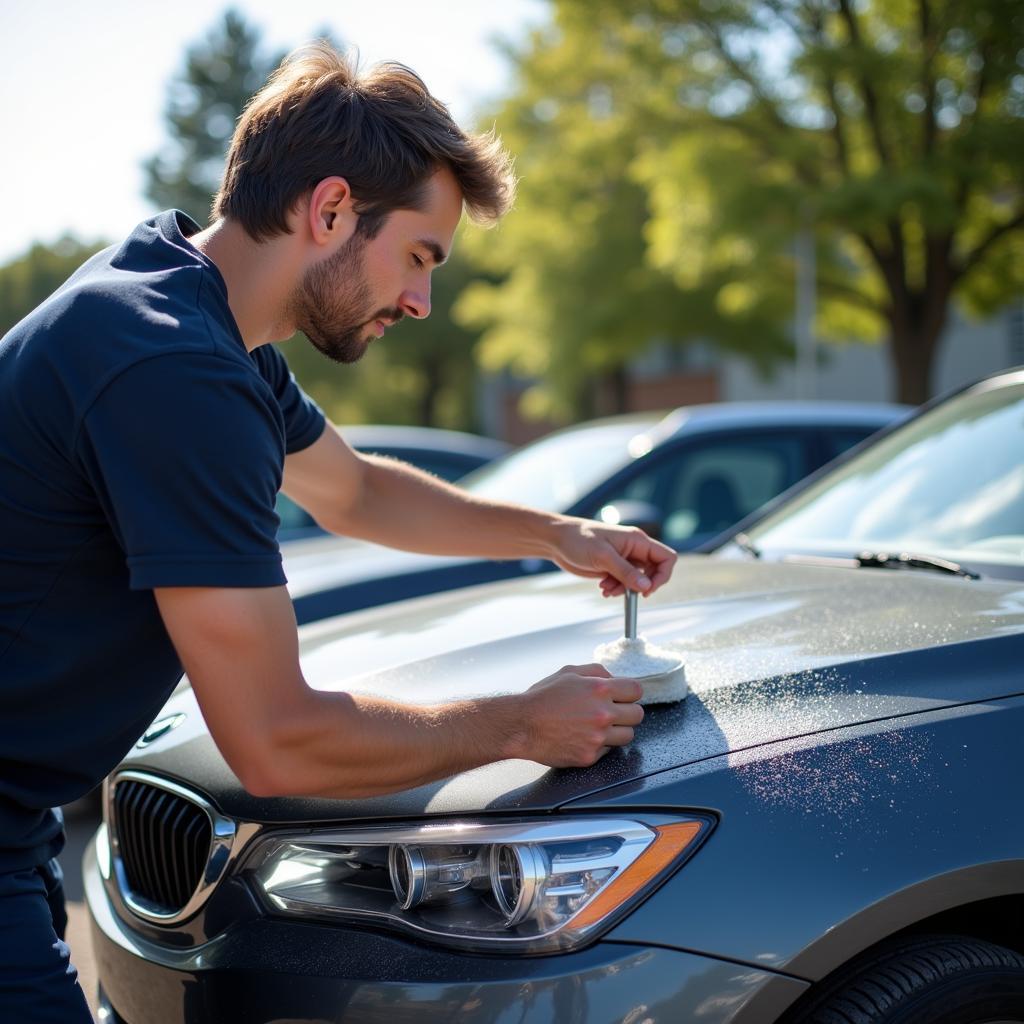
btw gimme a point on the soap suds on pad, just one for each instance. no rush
(639, 659)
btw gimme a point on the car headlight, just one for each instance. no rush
(526, 886)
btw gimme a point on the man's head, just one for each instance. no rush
(376, 171)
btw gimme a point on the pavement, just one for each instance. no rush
(81, 821)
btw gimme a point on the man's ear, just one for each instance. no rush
(332, 220)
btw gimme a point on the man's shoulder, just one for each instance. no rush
(108, 319)
(101, 323)
(152, 287)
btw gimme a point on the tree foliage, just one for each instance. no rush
(29, 279)
(891, 128)
(220, 74)
(581, 295)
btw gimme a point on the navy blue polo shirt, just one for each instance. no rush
(141, 446)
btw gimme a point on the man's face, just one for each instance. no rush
(351, 297)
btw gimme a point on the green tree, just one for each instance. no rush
(892, 129)
(220, 74)
(29, 279)
(581, 296)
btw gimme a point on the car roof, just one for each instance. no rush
(658, 427)
(372, 435)
(726, 415)
(1003, 379)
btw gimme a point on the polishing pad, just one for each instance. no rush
(659, 671)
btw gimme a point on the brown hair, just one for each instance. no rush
(382, 131)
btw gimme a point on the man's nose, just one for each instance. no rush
(415, 302)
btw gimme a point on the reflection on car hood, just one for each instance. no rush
(772, 651)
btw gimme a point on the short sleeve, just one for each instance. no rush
(185, 452)
(303, 419)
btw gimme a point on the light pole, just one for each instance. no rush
(806, 288)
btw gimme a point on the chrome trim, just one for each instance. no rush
(227, 839)
(533, 870)
(160, 728)
(416, 873)
(462, 833)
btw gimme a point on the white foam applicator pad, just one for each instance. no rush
(658, 670)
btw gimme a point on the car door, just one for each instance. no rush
(698, 487)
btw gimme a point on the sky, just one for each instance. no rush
(84, 88)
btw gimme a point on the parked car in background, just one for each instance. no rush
(449, 454)
(684, 477)
(826, 830)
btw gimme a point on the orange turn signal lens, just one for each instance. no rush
(670, 842)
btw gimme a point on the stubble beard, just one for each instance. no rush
(333, 305)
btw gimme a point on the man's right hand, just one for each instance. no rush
(576, 715)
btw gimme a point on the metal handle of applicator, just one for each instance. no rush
(631, 614)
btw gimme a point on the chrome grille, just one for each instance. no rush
(164, 843)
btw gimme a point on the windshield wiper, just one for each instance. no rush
(742, 541)
(905, 560)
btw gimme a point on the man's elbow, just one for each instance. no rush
(258, 782)
(271, 764)
(259, 777)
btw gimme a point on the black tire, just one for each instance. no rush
(937, 979)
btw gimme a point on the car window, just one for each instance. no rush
(836, 440)
(950, 484)
(701, 488)
(557, 471)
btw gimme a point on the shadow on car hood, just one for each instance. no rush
(772, 651)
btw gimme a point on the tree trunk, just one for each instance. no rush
(612, 392)
(432, 382)
(913, 343)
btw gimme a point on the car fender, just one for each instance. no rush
(829, 843)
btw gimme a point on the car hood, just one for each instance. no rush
(772, 651)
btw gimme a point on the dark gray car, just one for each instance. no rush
(826, 830)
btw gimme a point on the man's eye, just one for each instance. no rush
(419, 262)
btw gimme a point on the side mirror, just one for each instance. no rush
(633, 513)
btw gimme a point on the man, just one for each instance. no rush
(146, 425)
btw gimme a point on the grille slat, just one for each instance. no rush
(179, 875)
(153, 851)
(164, 841)
(147, 868)
(164, 846)
(127, 804)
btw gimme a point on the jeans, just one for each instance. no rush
(38, 984)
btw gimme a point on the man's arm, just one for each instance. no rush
(392, 503)
(280, 737)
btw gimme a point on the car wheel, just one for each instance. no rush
(928, 980)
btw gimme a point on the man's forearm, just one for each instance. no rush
(281, 737)
(403, 507)
(345, 746)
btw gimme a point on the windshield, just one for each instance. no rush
(555, 472)
(949, 484)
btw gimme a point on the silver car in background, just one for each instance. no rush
(683, 476)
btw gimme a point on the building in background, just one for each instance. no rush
(666, 377)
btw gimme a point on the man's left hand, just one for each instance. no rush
(620, 557)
